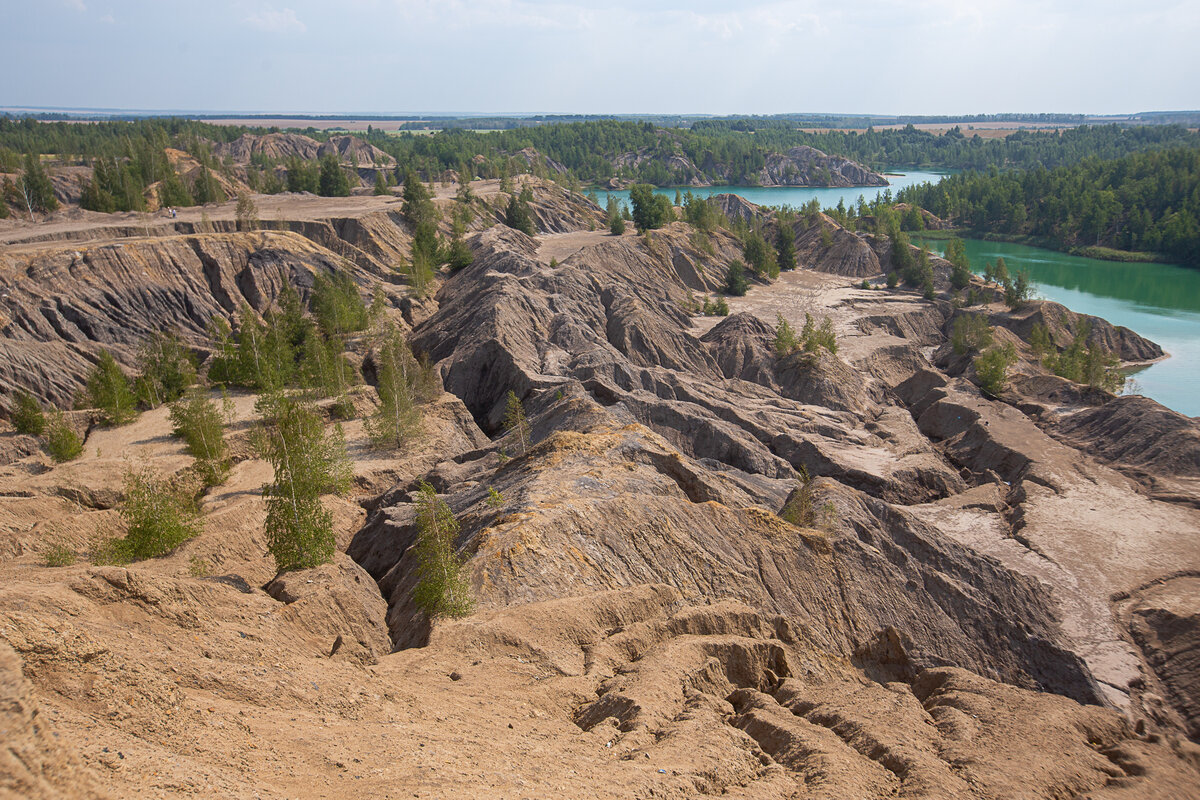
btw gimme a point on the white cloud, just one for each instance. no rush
(283, 21)
(78, 5)
(107, 19)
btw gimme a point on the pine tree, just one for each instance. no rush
(736, 283)
(108, 390)
(515, 422)
(26, 414)
(381, 187)
(442, 588)
(517, 214)
(196, 420)
(308, 462)
(333, 180)
(785, 247)
(36, 187)
(786, 340)
(397, 419)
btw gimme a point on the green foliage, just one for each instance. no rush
(991, 366)
(736, 282)
(717, 308)
(303, 176)
(26, 414)
(172, 193)
(246, 212)
(801, 511)
(1017, 290)
(956, 254)
(333, 181)
(108, 390)
(970, 333)
(650, 210)
(158, 515)
(517, 215)
(786, 340)
(35, 186)
(62, 442)
(397, 373)
(760, 256)
(996, 273)
(58, 555)
(515, 422)
(196, 420)
(902, 257)
(893, 279)
(785, 247)
(826, 236)
(262, 355)
(1087, 362)
(1040, 340)
(337, 304)
(442, 588)
(494, 498)
(167, 368)
(308, 461)
(814, 336)
(381, 187)
(616, 222)
(458, 254)
(701, 213)
(206, 189)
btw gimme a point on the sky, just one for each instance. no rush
(603, 57)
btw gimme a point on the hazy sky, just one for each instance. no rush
(608, 56)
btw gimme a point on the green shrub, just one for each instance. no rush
(442, 588)
(1087, 362)
(397, 375)
(108, 390)
(62, 442)
(1040, 340)
(158, 517)
(970, 333)
(26, 414)
(736, 283)
(893, 279)
(515, 422)
(814, 336)
(167, 369)
(337, 304)
(196, 419)
(1017, 290)
(307, 462)
(992, 366)
(494, 498)
(58, 555)
(786, 340)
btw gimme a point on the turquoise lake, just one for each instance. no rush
(1158, 301)
(794, 196)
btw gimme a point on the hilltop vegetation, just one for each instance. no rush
(1144, 201)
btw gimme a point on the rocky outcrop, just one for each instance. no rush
(1064, 324)
(808, 166)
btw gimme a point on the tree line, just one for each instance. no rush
(1140, 202)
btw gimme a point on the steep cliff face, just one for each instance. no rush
(61, 305)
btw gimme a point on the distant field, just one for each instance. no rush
(319, 124)
(994, 130)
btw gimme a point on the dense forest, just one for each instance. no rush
(721, 150)
(1145, 201)
(1129, 188)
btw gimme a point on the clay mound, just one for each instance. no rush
(351, 149)
(736, 207)
(847, 254)
(1137, 432)
(275, 146)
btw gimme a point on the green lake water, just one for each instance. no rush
(794, 196)
(1158, 301)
